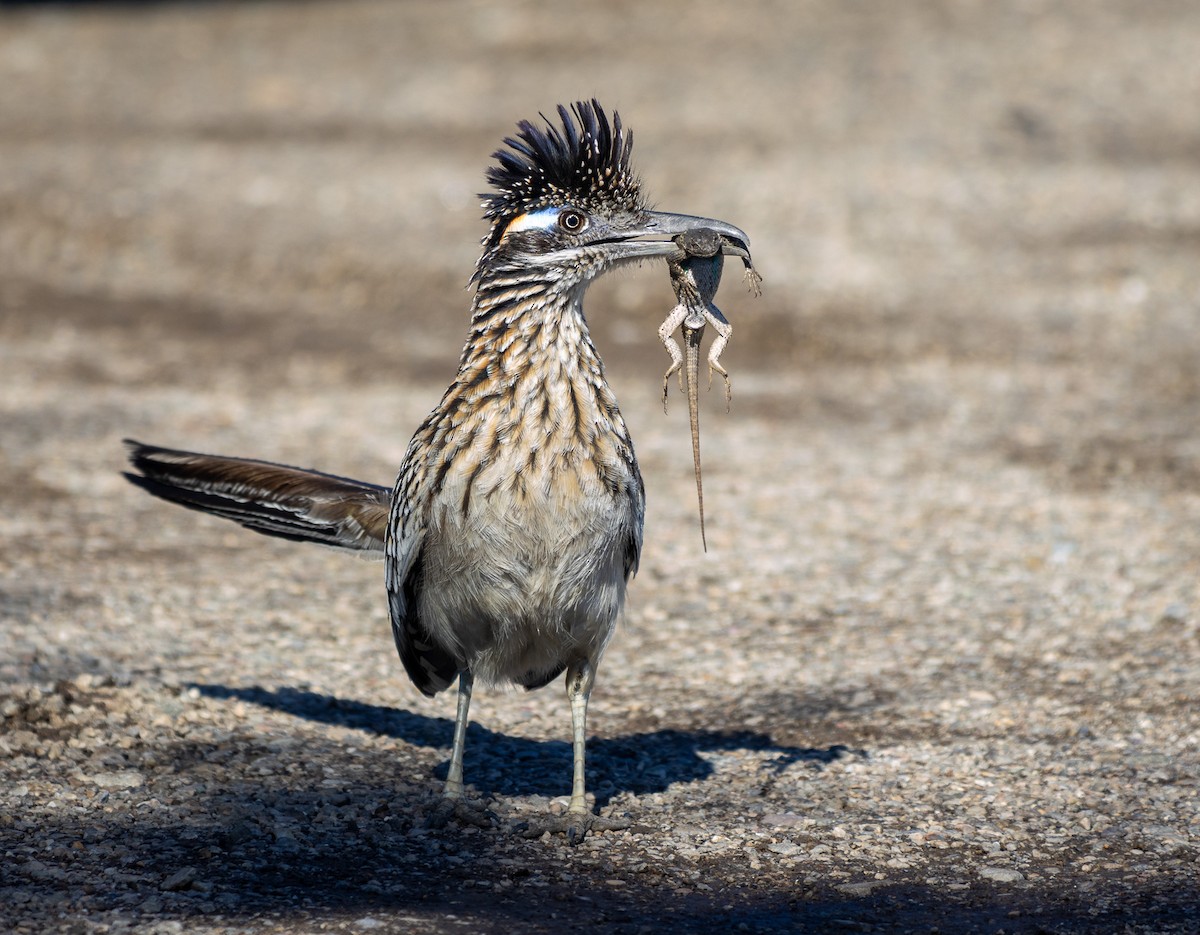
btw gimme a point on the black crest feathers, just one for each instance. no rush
(585, 162)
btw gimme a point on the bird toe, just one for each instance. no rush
(463, 811)
(575, 826)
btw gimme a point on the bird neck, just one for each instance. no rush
(530, 402)
(525, 327)
(530, 381)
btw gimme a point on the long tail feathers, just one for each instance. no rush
(274, 499)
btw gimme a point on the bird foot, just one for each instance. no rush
(464, 811)
(575, 825)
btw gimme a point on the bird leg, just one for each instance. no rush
(579, 819)
(454, 802)
(454, 778)
(580, 678)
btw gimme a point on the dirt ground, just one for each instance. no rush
(938, 669)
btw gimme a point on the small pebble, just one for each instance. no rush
(1001, 874)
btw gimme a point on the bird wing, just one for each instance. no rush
(431, 667)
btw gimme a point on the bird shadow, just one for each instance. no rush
(330, 838)
(637, 763)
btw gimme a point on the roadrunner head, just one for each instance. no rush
(565, 202)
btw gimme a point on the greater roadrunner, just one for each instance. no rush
(516, 520)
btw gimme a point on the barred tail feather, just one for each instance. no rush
(273, 499)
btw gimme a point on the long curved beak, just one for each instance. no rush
(655, 237)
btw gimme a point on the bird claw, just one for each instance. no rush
(465, 811)
(574, 825)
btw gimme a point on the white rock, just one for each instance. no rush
(1001, 874)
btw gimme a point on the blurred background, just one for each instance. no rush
(203, 194)
(953, 516)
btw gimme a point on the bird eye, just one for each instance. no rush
(572, 221)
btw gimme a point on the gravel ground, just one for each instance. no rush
(938, 669)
